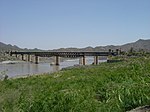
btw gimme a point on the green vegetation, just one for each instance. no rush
(109, 87)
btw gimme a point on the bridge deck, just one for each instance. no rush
(66, 54)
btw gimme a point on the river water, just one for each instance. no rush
(26, 68)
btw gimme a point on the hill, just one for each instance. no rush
(6, 47)
(9, 47)
(138, 45)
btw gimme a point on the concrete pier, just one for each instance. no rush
(22, 56)
(29, 58)
(95, 60)
(26, 57)
(57, 60)
(36, 59)
(82, 60)
(32, 59)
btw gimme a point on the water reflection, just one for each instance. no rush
(35, 67)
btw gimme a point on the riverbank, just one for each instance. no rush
(108, 87)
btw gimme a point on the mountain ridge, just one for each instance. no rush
(140, 44)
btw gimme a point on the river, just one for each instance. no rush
(26, 68)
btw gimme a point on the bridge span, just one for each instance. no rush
(81, 55)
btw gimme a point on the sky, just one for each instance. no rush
(52, 24)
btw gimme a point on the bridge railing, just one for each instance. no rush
(63, 54)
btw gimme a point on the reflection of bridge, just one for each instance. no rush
(81, 55)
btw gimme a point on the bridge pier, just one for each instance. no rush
(95, 60)
(57, 60)
(26, 57)
(22, 57)
(82, 60)
(29, 58)
(19, 56)
(36, 59)
(32, 59)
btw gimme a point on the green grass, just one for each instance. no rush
(109, 87)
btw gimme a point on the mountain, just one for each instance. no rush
(6, 47)
(9, 47)
(138, 45)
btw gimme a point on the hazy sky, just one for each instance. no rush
(49, 24)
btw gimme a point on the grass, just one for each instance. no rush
(108, 87)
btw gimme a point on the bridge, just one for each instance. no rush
(81, 55)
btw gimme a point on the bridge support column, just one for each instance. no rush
(32, 59)
(26, 57)
(95, 60)
(29, 58)
(19, 56)
(82, 60)
(22, 57)
(36, 59)
(57, 60)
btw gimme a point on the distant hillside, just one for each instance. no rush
(9, 47)
(6, 47)
(138, 45)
